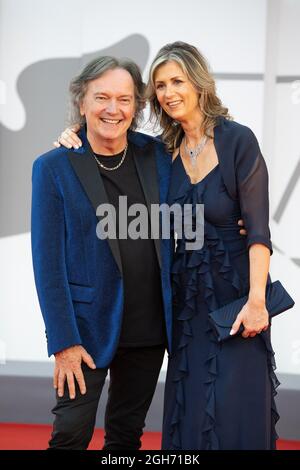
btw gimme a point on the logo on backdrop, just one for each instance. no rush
(43, 90)
(283, 203)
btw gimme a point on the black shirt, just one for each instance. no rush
(143, 318)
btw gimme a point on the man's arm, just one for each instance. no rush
(48, 254)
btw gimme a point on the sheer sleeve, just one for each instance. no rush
(253, 192)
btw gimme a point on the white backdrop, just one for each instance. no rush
(233, 36)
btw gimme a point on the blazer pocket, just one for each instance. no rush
(82, 293)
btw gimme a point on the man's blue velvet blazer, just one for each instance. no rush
(79, 276)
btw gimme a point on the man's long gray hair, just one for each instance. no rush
(94, 70)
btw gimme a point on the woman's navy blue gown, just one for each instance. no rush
(218, 396)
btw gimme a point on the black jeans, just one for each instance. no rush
(133, 377)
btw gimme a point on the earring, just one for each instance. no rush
(160, 113)
(201, 101)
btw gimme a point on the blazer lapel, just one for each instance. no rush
(145, 162)
(86, 169)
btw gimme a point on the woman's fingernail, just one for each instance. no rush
(231, 332)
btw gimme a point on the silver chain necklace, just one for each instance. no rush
(113, 167)
(195, 152)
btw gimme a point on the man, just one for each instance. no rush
(106, 303)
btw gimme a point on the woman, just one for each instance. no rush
(218, 396)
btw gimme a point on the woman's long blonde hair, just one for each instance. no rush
(196, 68)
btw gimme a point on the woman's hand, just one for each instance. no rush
(68, 138)
(254, 317)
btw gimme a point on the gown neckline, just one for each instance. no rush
(188, 176)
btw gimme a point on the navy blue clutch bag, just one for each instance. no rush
(277, 301)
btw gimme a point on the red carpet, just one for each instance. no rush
(35, 437)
